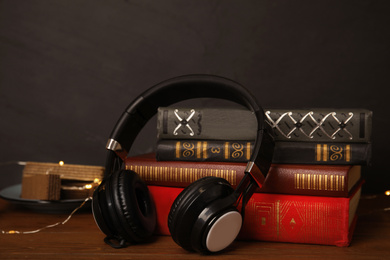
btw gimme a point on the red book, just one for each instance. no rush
(282, 218)
(297, 179)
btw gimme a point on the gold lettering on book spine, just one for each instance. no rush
(336, 152)
(320, 182)
(277, 218)
(315, 181)
(248, 151)
(178, 150)
(348, 153)
(205, 154)
(332, 182)
(199, 149)
(238, 150)
(318, 152)
(332, 152)
(188, 149)
(326, 182)
(325, 152)
(227, 152)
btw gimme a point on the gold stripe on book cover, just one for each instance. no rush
(331, 182)
(179, 174)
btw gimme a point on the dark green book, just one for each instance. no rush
(284, 153)
(303, 125)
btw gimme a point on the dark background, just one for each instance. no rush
(69, 68)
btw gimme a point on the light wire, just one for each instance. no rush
(48, 226)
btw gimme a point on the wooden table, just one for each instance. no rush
(80, 238)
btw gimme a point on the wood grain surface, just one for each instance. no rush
(80, 238)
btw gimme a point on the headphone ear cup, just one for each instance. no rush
(136, 209)
(188, 205)
(215, 231)
(100, 210)
(125, 210)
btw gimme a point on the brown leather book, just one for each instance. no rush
(298, 179)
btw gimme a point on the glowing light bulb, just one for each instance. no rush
(61, 163)
(88, 186)
(387, 193)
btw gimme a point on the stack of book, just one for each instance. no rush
(312, 190)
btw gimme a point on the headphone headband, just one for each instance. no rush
(171, 91)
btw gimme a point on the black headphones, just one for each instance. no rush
(205, 216)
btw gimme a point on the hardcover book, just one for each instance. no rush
(210, 123)
(203, 150)
(309, 125)
(284, 152)
(282, 218)
(316, 125)
(319, 180)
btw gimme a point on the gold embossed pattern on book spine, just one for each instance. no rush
(179, 174)
(332, 153)
(303, 181)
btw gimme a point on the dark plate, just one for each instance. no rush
(12, 194)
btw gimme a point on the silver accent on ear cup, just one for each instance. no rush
(113, 145)
(117, 148)
(249, 166)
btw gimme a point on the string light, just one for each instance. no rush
(387, 193)
(96, 182)
(88, 186)
(12, 232)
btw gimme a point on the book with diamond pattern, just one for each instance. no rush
(303, 125)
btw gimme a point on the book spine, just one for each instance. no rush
(281, 218)
(309, 125)
(284, 152)
(217, 124)
(319, 180)
(182, 173)
(323, 153)
(203, 150)
(321, 125)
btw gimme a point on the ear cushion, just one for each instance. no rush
(100, 211)
(190, 203)
(105, 213)
(134, 206)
